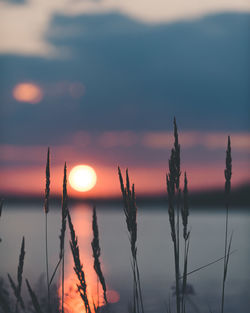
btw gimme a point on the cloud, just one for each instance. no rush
(24, 27)
(135, 78)
(124, 142)
(207, 140)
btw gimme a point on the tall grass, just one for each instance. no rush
(63, 227)
(96, 255)
(17, 288)
(178, 211)
(130, 210)
(227, 245)
(34, 299)
(174, 209)
(78, 267)
(186, 237)
(46, 210)
(173, 183)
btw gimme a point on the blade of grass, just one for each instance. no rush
(208, 264)
(54, 273)
(17, 288)
(34, 299)
(20, 272)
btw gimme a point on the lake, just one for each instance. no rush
(155, 254)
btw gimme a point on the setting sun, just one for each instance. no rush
(82, 178)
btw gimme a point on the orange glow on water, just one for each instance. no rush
(81, 218)
(113, 296)
(27, 92)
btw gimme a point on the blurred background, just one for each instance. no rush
(101, 81)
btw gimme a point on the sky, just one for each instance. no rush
(101, 81)
(32, 17)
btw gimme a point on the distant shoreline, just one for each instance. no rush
(240, 197)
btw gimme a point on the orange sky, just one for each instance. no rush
(148, 181)
(145, 154)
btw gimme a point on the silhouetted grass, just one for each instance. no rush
(63, 227)
(17, 288)
(178, 207)
(186, 237)
(34, 299)
(227, 247)
(46, 210)
(96, 254)
(174, 194)
(78, 268)
(130, 210)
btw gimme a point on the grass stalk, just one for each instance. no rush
(208, 264)
(55, 270)
(184, 279)
(186, 237)
(34, 299)
(46, 210)
(96, 255)
(78, 268)
(63, 229)
(173, 187)
(177, 175)
(17, 288)
(130, 210)
(227, 246)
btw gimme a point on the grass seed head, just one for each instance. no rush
(97, 252)
(130, 209)
(228, 169)
(78, 268)
(20, 266)
(64, 211)
(185, 208)
(47, 186)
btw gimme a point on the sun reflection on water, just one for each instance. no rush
(82, 220)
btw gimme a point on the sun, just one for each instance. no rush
(82, 178)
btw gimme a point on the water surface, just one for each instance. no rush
(155, 254)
